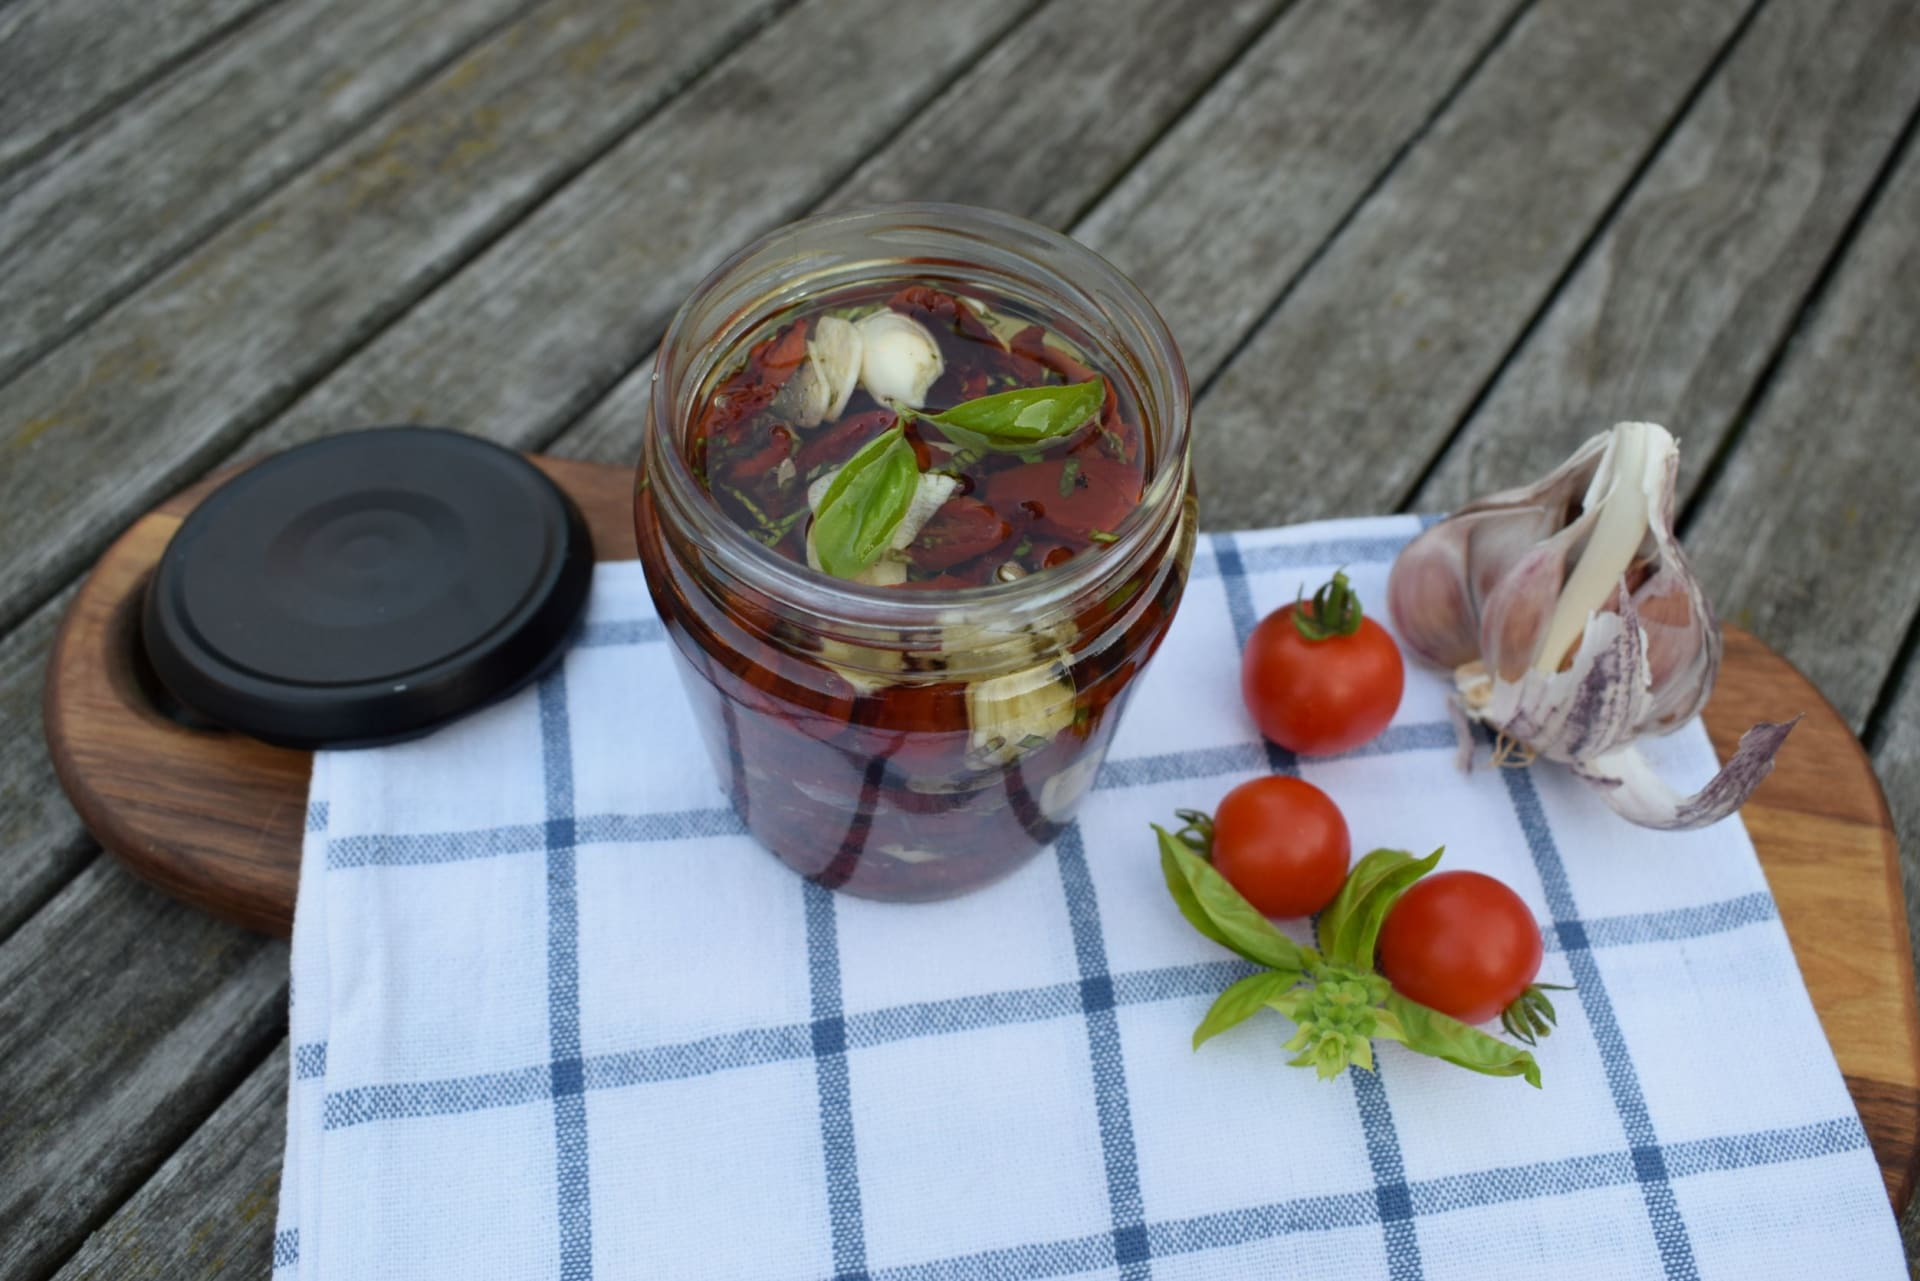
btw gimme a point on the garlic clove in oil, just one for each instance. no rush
(1575, 626)
(899, 359)
(834, 354)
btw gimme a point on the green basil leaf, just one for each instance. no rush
(866, 502)
(1427, 1031)
(1350, 925)
(1013, 421)
(1216, 909)
(1242, 1001)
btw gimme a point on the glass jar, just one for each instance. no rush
(898, 744)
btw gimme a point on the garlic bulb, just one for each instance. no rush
(899, 359)
(1574, 625)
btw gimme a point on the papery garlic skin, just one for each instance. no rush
(1575, 626)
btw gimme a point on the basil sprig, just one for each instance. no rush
(1338, 1004)
(1350, 925)
(865, 503)
(1021, 420)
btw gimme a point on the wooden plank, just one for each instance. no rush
(1896, 758)
(209, 1210)
(551, 314)
(181, 370)
(1258, 171)
(1807, 536)
(39, 833)
(124, 1019)
(65, 61)
(1051, 143)
(85, 223)
(1696, 282)
(1342, 396)
(46, 842)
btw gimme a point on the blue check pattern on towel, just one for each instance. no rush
(554, 1015)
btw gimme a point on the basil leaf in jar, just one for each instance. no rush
(1028, 417)
(865, 504)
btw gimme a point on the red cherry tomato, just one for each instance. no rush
(1318, 697)
(1282, 843)
(1461, 943)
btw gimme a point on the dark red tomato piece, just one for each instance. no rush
(728, 415)
(1032, 344)
(1116, 438)
(1461, 943)
(839, 442)
(939, 311)
(1318, 697)
(1072, 496)
(960, 530)
(759, 463)
(775, 360)
(914, 726)
(1055, 557)
(1283, 844)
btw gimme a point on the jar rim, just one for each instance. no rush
(779, 578)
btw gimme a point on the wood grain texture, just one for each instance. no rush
(1217, 222)
(47, 842)
(1826, 841)
(125, 1018)
(1896, 759)
(216, 819)
(534, 328)
(1226, 204)
(43, 842)
(1808, 536)
(64, 61)
(1049, 144)
(209, 1211)
(94, 217)
(1676, 309)
(178, 373)
(1358, 378)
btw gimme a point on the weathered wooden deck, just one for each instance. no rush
(1412, 249)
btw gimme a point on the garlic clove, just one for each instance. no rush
(803, 401)
(834, 355)
(1429, 599)
(899, 359)
(932, 491)
(1441, 581)
(1516, 612)
(1008, 715)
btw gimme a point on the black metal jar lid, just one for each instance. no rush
(366, 588)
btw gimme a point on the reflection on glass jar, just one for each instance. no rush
(916, 733)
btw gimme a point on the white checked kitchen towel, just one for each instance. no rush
(554, 1015)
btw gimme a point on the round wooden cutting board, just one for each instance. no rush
(216, 819)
